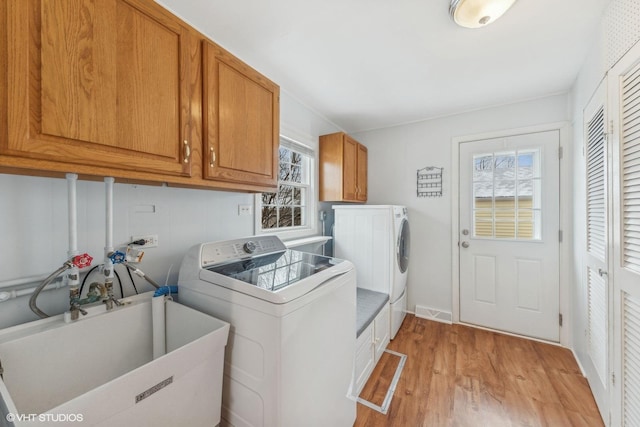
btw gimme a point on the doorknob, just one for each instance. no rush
(602, 273)
(465, 232)
(465, 245)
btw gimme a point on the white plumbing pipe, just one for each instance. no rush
(72, 178)
(23, 281)
(108, 240)
(108, 183)
(73, 273)
(7, 295)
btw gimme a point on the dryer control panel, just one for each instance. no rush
(233, 250)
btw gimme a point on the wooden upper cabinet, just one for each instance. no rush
(349, 168)
(99, 82)
(361, 177)
(343, 169)
(241, 120)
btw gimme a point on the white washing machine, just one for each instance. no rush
(376, 239)
(289, 359)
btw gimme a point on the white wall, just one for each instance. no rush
(395, 154)
(33, 221)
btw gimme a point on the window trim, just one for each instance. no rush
(311, 202)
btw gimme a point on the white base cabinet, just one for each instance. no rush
(369, 347)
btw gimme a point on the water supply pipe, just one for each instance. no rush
(34, 296)
(108, 186)
(108, 266)
(73, 276)
(6, 295)
(72, 198)
(74, 262)
(137, 271)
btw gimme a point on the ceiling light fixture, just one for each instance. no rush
(478, 13)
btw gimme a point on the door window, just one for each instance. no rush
(506, 195)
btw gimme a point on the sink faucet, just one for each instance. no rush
(110, 298)
(98, 292)
(74, 303)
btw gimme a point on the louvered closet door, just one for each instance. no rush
(624, 87)
(595, 276)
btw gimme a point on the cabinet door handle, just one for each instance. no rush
(213, 157)
(187, 151)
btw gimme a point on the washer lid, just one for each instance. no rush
(276, 271)
(277, 278)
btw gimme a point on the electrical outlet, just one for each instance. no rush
(150, 240)
(245, 210)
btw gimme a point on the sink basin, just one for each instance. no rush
(101, 369)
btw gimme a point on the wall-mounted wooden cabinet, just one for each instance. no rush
(241, 120)
(124, 88)
(101, 83)
(343, 169)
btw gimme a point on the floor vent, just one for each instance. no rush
(433, 314)
(392, 387)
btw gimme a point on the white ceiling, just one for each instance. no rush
(367, 64)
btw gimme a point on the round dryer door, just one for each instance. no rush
(404, 242)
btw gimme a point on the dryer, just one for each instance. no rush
(376, 239)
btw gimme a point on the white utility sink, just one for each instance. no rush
(101, 368)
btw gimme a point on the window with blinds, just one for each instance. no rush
(630, 169)
(596, 203)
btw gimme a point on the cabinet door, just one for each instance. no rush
(361, 178)
(364, 361)
(349, 169)
(241, 120)
(98, 82)
(381, 328)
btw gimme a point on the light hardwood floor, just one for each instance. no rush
(461, 376)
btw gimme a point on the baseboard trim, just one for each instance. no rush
(575, 356)
(433, 314)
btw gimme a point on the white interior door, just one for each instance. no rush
(509, 233)
(595, 277)
(624, 90)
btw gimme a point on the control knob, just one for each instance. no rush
(249, 247)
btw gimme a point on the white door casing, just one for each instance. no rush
(509, 232)
(596, 251)
(624, 110)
